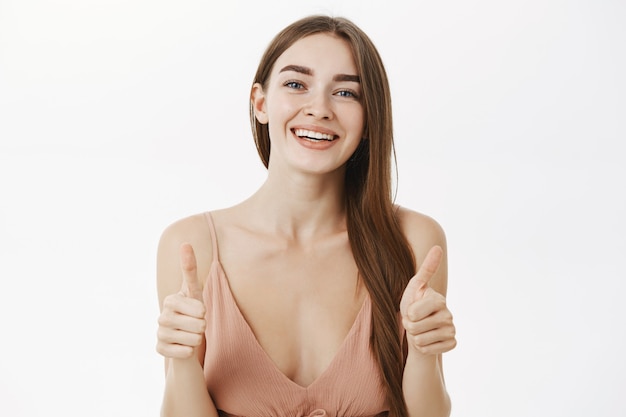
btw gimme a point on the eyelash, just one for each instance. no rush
(350, 92)
(296, 85)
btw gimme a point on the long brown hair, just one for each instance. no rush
(380, 249)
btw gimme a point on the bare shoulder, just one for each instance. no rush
(193, 230)
(423, 232)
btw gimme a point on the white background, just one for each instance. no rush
(118, 117)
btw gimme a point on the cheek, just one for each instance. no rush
(359, 122)
(357, 125)
(279, 114)
(281, 111)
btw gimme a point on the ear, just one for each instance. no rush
(257, 98)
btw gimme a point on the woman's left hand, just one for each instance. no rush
(425, 316)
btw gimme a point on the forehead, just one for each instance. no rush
(321, 51)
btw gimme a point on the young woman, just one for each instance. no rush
(316, 295)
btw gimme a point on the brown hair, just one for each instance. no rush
(380, 249)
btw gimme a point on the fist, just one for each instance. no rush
(425, 316)
(182, 323)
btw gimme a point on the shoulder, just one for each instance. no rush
(194, 230)
(422, 233)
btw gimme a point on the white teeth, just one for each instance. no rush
(313, 135)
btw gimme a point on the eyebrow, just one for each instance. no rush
(308, 71)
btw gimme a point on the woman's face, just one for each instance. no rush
(312, 105)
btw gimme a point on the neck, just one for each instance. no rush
(300, 206)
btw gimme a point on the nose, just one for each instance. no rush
(319, 106)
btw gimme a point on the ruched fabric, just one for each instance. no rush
(315, 413)
(243, 381)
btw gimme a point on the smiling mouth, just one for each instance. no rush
(314, 136)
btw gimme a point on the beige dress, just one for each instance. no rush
(243, 381)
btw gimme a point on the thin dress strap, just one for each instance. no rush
(209, 220)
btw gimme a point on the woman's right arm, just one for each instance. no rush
(182, 323)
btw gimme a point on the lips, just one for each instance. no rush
(314, 135)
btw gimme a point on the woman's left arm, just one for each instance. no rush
(426, 319)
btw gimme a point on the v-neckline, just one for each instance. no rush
(267, 359)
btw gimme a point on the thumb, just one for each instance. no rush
(191, 285)
(430, 265)
(417, 285)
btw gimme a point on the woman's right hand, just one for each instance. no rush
(182, 323)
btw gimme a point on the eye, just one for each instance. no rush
(347, 93)
(294, 85)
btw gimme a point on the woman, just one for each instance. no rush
(306, 298)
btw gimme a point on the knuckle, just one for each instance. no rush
(169, 301)
(418, 340)
(410, 327)
(161, 333)
(164, 350)
(164, 335)
(174, 351)
(452, 332)
(165, 320)
(199, 308)
(183, 352)
(406, 322)
(196, 339)
(423, 349)
(201, 326)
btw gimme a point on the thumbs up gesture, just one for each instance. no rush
(181, 323)
(191, 286)
(425, 316)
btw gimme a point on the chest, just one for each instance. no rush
(300, 303)
(244, 380)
